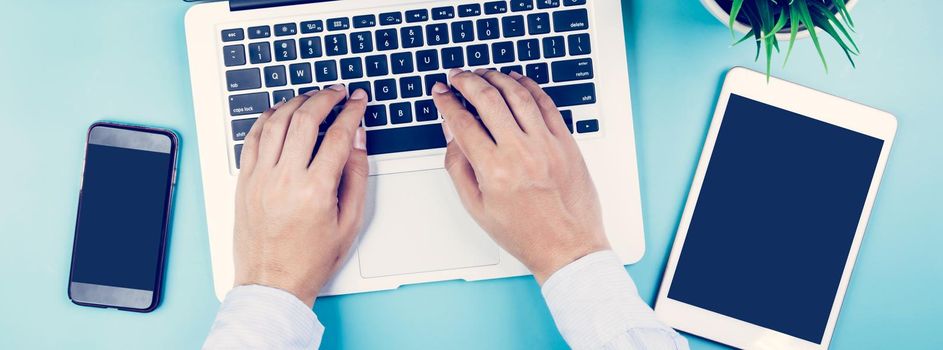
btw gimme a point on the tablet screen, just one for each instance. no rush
(775, 219)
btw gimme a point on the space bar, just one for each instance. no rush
(413, 138)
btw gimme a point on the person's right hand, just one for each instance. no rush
(526, 184)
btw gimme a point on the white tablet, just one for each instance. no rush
(776, 213)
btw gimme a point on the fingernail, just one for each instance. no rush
(279, 104)
(311, 93)
(440, 88)
(454, 72)
(515, 75)
(359, 94)
(446, 132)
(360, 139)
(338, 87)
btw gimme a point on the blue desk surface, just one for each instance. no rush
(69, 63)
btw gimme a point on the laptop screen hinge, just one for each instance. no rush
(240, 5)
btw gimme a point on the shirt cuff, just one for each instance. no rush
(256, 316)
(593, 300)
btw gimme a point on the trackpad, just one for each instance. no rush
(416, 223)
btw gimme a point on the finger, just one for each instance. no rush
(352, 194)
(519, 99)
(548, 109)
(250, 148)
(272, 137)
(305, 124)
(467, 131)
(339, 140)
(491, 106)
(463, 176)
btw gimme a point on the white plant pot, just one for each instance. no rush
(724, 18)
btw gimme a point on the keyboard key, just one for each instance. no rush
(238, 150)
(572, 95)
(579, 44)
(440, 13)
(553, 47)
(260, 52)
(275, 76)
(351, 68)
(286, 29)
(260, 32)
(285, 50)
(241, 127)
(310, 47)
(452, 58)
(312, 27)
(496, 7)
(413, 138)
(427, 60)
(401, 62)
(336, 44)
(488, 28)
(377, 66)
(365, 85)
(414, 16)
(341, 23)
(431, 79)
(426, 111)
(538, 23)
(522, 5)
(587, 126)
(463, 31)
(384, 89)
(365, 21)
(300, 73)
(325, 70)
(573, 2)
(568, 119)
(391, 18)
(546, 4)
(386, 40)
(478, 55)
(306, 89)
(375, 116)
(361, 42)
(570, 20)
(513, 26)
(243, 79)
(412, 37)
(410, 87)
(509, 69)
(503, 52)
(571, 70)
(248, 103)
(469, 10)
(233, 35)
(538, 72)
(401, 113)
(282, 96)
(528, 50)
(437, 34)
(234, 55)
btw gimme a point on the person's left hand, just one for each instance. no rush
(296, 218)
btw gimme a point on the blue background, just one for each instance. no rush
(66, 64)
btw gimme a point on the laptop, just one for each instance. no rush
(246, 55)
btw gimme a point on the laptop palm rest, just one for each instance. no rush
(415, 223)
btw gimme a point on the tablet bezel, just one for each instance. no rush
(807, 102)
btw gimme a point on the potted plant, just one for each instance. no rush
(768, 22)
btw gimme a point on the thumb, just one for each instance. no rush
(462, 174)
(352, 192)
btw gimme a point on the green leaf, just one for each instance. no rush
(824, 11)
(827, 27)
(734, 11)
(793, 31)
(840, 4)
(778, 26)
(810, 26)
(744, 38)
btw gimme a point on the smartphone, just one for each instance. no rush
(125, 199)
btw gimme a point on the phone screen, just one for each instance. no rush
(122, 217)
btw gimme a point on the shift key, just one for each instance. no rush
(248, 103)
(572, 95)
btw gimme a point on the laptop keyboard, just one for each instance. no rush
(397, 56)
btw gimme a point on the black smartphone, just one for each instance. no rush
(123, 217)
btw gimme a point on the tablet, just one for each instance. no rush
(775, 216)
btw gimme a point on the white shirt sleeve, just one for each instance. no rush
(596, 306)
(259, 317)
